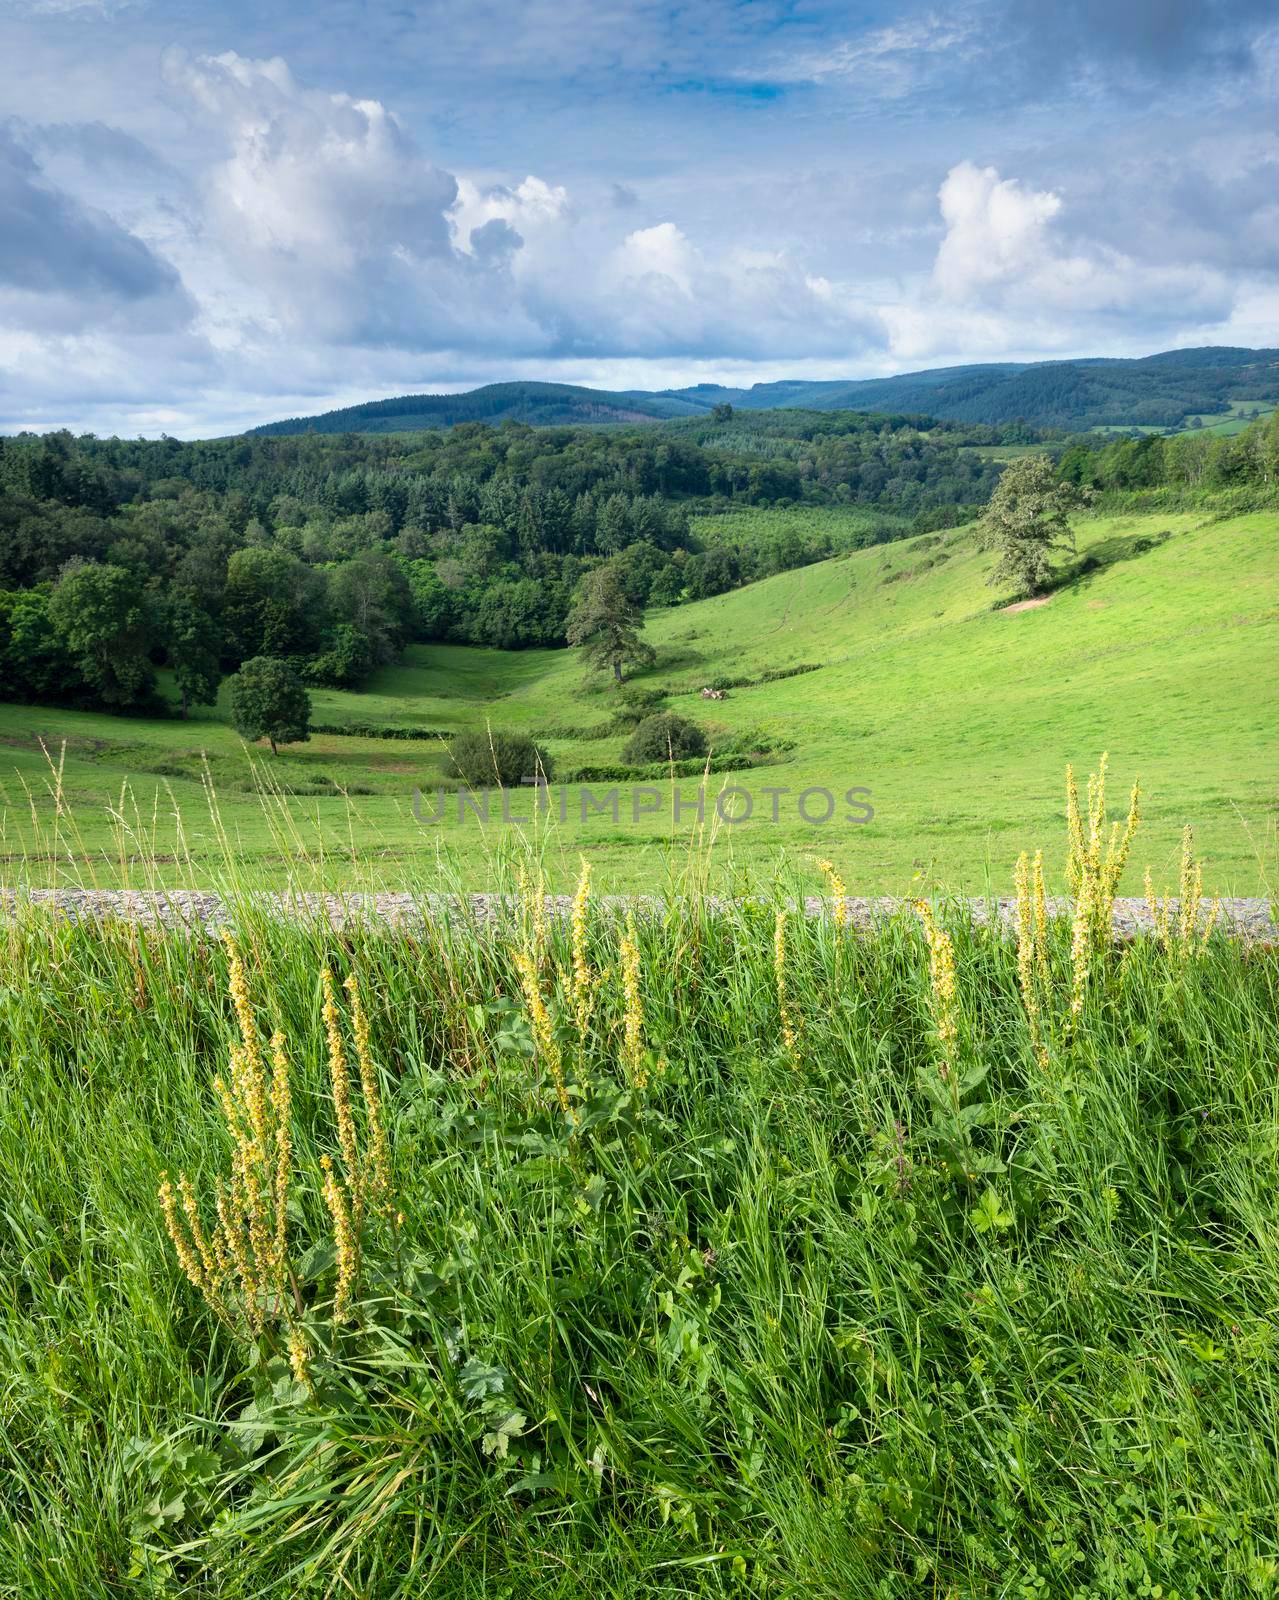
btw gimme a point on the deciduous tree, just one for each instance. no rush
(1026, 520)
(269, 702)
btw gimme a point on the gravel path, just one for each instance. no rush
(1244, 918)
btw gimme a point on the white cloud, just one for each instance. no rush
(996, 231)
(655, 259)
(1007, 251)
(529, 209)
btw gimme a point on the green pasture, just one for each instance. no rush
(1161, 646)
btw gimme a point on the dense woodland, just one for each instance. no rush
(332, 552)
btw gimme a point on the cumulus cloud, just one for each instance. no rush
(346, 232)
(1004, 249)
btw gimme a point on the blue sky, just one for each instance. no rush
(213, 215)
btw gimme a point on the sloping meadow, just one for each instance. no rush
(710, 1252)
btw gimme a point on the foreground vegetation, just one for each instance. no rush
(717, 1253)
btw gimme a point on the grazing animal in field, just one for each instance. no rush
(714, 694)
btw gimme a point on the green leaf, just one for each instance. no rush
(496, 1442)
(480, 1382)
(318, 1260)
(989, 1214)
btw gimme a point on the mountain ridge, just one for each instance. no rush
(1161, 390)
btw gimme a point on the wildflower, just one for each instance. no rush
(582, 979)
(1185, 934)
(633, 1023)
(542, 1026)
(532, 896)
(281, 1110)
(188, 1259)
(945, 989)
(344, 1240)
(790, 1031)
(839, 901)
(240, 1264)
(340, 1083)
(299, 1356)
(1041, 917)
(1094, 876)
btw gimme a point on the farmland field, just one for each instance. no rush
(957, 716)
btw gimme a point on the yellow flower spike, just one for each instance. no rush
(1032, 924)
(281, 1109)
(582, 981)
(237, 1248)
(839, 901)
(633, 1022)
(542, 1026)
(943, 983)
(1041, 919)
(299, 1356)
(188, 1260)
(344, 1241)
(1081, 938)
(340, 1084)
(208, 1260)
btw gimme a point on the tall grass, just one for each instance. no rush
(715, 1251)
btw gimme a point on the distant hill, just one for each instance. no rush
(540, 404)
(1159, 391)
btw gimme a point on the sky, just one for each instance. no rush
(214, 215)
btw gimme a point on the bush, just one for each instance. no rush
(489, 759)
(664, 737)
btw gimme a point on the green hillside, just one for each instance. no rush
(541, 404)
(1158, 391)
(957, 716)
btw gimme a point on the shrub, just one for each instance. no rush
(665, 736)
(489, 759)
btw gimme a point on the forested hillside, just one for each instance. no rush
(540, 404)
(333, 552)
(1159, 391)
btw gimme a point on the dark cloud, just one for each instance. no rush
(53, 245)
(1155, 38)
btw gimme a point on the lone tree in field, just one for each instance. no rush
(1026, 521)
(269, 702)
(605, 624)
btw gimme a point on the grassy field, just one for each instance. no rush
(1223, 423)
(723, 1257)
(956, 715)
